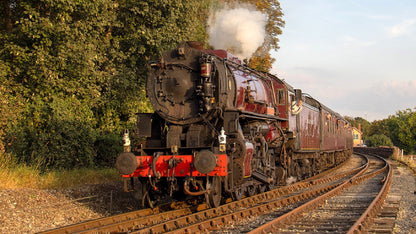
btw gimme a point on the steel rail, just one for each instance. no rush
(150, 217)
(376, 205)
(267, 203)
(236, 215)
(102, 221)
(291, 216)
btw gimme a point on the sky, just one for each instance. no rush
(357, 57)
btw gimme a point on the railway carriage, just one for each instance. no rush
(220, 129)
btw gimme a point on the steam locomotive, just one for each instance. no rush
(220, 130)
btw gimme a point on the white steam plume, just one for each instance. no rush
(240, 30)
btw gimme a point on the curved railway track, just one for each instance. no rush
(348, 208)
(290, 204)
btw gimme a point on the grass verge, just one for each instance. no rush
(14, 175)
(408, 161)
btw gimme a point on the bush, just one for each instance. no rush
(56, 134)
(107, 148)
(377, 140)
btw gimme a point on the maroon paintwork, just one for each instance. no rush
(335, 132)
(260, 93)
(319, 129)
(280, 92)
(309, 128)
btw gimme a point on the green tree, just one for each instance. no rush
(399, 129)
(77, 68)
(56, 56)
(6, 15)
(379, 127)
(59, 47)
(11, 104)
(56, 134)
(144, 30)
(378, 140)
(402, 127)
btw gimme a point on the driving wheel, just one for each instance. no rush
(214, 195)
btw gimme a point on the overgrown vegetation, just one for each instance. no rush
(72, 73)
(398, 130)
(378, 140)
(14, 175)
(72, 77)
(408, 160)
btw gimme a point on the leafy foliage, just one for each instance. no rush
(261, 63)
(72, 72)
(377, 140)
(10, 107)
(402, 129)
(107, 146)
(57, 134)
(379, 127)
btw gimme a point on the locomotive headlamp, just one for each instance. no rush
(205, 161)
(126, 141)
(222, 139)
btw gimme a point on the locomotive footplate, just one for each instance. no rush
(184, 166)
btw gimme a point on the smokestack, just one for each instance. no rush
(359, 127)
(196, 45)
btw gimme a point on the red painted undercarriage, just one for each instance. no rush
(175, 165)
